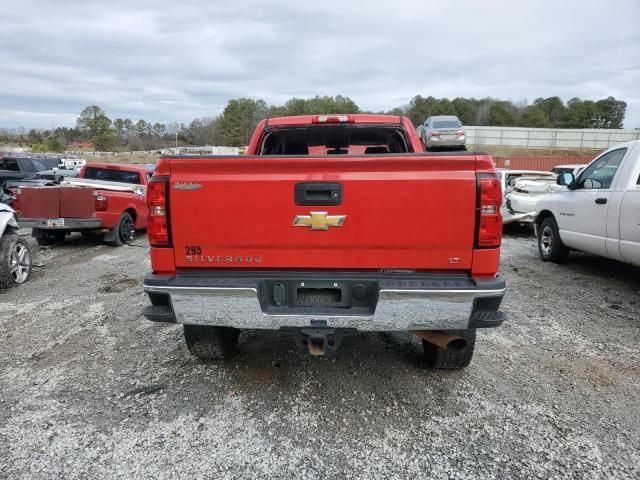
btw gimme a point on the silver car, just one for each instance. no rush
(443, 131)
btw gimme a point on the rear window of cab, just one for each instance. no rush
(121, 176)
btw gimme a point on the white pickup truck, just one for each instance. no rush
(599, 213)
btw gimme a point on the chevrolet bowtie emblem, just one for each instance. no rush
(318, 220)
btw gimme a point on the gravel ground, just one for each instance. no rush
(90, 389)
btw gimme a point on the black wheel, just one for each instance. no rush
(550, 245)
(50, 237)
(451, 359)
(124, 230)
(211, 342)
(15, 261)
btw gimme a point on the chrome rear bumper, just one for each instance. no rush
(400, 304)
(59, 223)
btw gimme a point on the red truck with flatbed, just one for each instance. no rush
(106, 199)
(329, 225)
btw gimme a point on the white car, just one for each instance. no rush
(598, 213)
(15, 254)
(520, 193)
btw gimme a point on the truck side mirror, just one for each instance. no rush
(566, 179)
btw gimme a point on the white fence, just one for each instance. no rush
(583, 139)
(206, 150)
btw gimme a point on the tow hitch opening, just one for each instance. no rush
(318, 340)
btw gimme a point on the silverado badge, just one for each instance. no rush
(187, 186)
(318, 220)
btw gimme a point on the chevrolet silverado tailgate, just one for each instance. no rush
(411, 211)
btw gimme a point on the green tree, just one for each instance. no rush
(128, 127)
(67, 135)
(580, 114)
(554, 109)
(239, 119)
(54, 145)
(315, 106)
(610, 113)
(535, 117)
(118, 125)
(397, 111)
(159, 129)
(34, 136)
(421, 108)
(500, 115)
(466, 109)
(141, 127)
(96, 126)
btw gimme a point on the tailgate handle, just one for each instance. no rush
(318, 193)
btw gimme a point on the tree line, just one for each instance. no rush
(234, 126)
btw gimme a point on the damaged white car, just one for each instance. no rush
(521, 190)
(15, 254)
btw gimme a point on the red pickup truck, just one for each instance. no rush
(366, 233)
(106, 198)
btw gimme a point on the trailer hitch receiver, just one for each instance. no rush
(318, 340)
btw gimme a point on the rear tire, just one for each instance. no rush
(447, 359)
(124, 231)
(210, 342)
(46, 238)
(550, 245)
(15, 261)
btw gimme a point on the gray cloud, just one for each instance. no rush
(174, 61)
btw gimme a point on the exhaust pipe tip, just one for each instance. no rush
(442, 339)
(457, 344)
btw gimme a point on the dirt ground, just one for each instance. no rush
(90, 389)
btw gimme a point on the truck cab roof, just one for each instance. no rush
(332, 118)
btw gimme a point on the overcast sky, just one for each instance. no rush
(178, 60)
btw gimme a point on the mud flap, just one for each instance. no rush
(110, 235)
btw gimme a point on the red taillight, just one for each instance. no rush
(460, 133)
(435, 134)
(101, 202)
(489, 216)
(15, 201)
(333, 119)
(158, 217)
